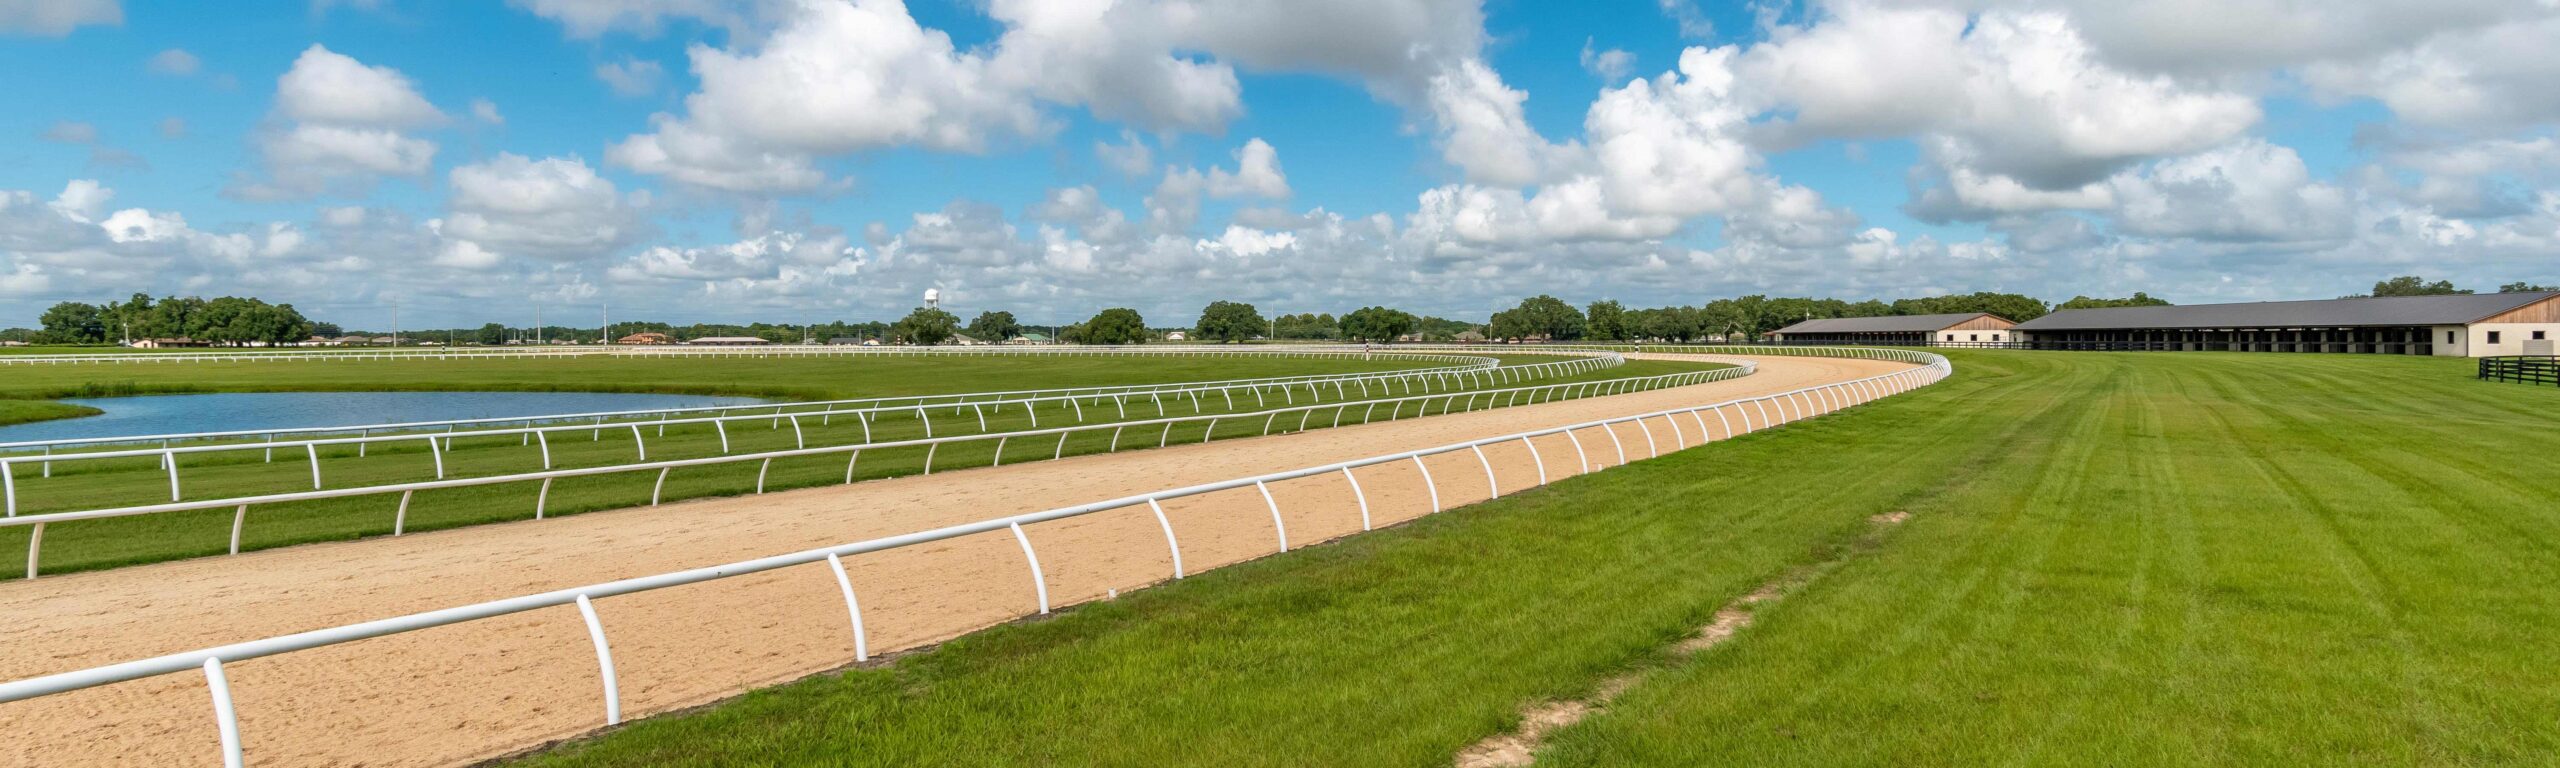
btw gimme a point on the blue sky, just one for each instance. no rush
(470, 159)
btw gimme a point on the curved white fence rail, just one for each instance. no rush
(1422, 404)
(438, 443)
(1774, 409)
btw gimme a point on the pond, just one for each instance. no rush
(166, 414)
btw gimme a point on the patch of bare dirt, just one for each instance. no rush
(1519, 747)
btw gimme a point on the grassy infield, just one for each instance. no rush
(2111, 559)
(85, 545)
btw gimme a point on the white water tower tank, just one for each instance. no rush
(933, 298)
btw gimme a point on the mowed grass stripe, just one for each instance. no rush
(2127, 559)
(2302, 563)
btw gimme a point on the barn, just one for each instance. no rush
(2458, 325)
(1952, 330)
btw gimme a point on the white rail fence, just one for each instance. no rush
(438, 443)
(1774, 410)
(1447, 402)
(1469, 363)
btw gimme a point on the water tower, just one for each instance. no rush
(932, 298)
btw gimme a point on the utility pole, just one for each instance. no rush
(608, 323)
(395, 322)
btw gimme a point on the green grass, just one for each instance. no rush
(2111, 559)
(23, 411)
(137, 481)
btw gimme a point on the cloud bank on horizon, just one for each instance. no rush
(729, 160)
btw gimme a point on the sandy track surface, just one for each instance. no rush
(480, 689)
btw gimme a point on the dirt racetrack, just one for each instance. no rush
(480, 689)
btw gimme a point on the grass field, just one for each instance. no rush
(134, 481)
(23, 411)
(2109, 559)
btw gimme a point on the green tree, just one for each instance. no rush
(72, 322)
(1607, 321)
(997, 326)
(2138, 299)
(1117, 325)
(2524, 287)
(1229, 321)
(925, 327)
(2413, 285)
(1378, 324)
(1539, 316)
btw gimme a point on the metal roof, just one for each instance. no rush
(1886, 324)
(2454, 309)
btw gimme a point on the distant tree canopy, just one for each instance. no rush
(1378, 324)
(996, 326)
(1226, 321)
(1117, 325)
(926, 326)
(2008, 305)
(1538, 317)
(2524, 287)
(226, 320)
(2413, 285)
(1606, 321)
(2138, 299)
(1307, 326)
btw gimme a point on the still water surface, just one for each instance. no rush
(164, 414)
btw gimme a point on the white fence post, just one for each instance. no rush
(861, 642)
(1276, 526)
(1039, 583)
(1169, 542)
(35, 545)
(239, 519)
(1359, 496)
(1428, 483)
(1494, 488)
(604, 662)
(226, 721)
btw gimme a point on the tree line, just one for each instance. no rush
(228, 320)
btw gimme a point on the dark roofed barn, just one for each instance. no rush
(2458, 325)
(1961, 329)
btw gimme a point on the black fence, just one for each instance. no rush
(2520, 368)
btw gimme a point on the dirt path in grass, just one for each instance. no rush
(485, 688)
(1518, 747)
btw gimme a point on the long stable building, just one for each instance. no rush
(1956, 330)
(2460, 325)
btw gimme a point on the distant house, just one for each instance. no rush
(387, 341)
(319, 341)
(1176, 336)
(1030, 338)
(352, 341)
(13, 344)
(166, 343)
(728, 341)
(1470, 336)
(646, 337)
(845, 341)
(965, 340)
